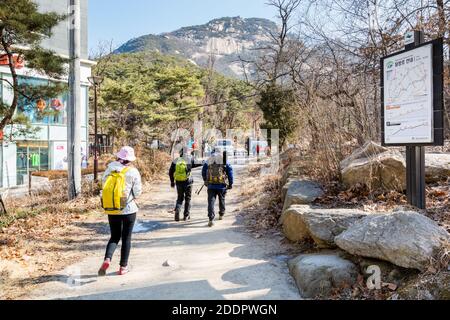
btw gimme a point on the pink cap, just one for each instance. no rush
(127, 154)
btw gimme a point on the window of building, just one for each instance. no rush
(48, 111)
(31, 156)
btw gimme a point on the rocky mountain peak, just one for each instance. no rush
(226, 38)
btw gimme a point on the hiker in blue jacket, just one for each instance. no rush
(218, 177)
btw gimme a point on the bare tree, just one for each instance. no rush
(103, 55)
(273, 55)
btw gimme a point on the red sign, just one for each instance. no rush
(18, 61)
(60, 148)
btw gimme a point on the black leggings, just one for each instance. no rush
(121, 228)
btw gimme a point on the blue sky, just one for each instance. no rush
(121, 20)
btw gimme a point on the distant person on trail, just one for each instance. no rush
(216, 173)
(181, 177)
(121, 186)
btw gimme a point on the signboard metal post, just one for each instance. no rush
(413, 106)
(415, 156)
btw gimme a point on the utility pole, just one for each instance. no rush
(73, 112)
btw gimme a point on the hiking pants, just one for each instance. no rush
(121, 228)
(212, 195)
(184, 190)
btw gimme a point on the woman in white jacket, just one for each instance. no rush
(122, 225)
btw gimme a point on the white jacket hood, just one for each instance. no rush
(116, 166)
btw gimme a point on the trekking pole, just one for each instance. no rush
(200, 190)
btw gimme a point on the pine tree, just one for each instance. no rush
(278, 106)
(22, 28)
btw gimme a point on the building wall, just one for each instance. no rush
(53, 135)
(59, 42)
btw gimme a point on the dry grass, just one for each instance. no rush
(62, 174)
(441, 262)
(152, 163)
(49, 200)
(262, 202)
(37, 233)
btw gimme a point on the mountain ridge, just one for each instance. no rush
(220, 43)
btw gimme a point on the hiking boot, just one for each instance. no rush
(104, 268)
(123, 271)
(177, 217)
(211, 224)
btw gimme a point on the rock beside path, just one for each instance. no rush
(318, 274)
(406, 239)
(322, 225)
(301, 192)
(375, 166)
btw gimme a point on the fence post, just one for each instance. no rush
(29, 182)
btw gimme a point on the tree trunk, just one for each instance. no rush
(7, 119)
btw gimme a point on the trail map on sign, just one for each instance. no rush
(408, 97)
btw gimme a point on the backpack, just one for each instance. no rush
(181, 171)
(113, 199)
(216, 174)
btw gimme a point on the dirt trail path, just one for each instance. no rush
(223, 262)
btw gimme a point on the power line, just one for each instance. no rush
(217, 103)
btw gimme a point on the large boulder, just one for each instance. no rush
(437, 167)
(322, 225)
(376, 167)
(406, 239)
(302, 192)
(318, 274)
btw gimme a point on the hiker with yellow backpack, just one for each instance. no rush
(121, 186)
(180, 174)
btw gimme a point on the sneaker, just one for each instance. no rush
(187, 218)
(177, 217)
(211, 224)
(123, 271)
(104, 268)
(221, 218)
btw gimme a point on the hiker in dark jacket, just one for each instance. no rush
(181, 177)
(216, 173)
